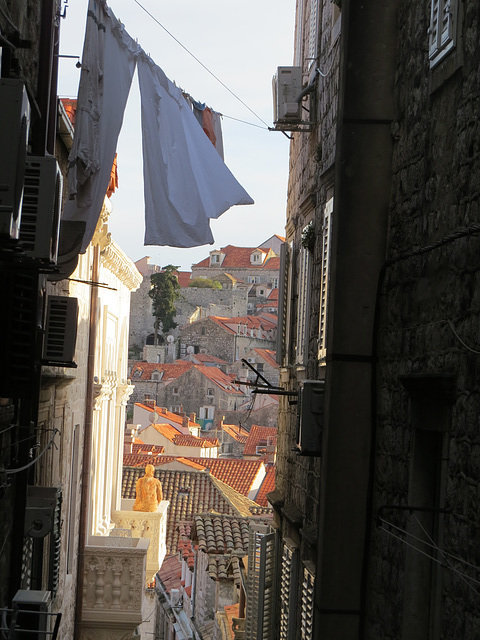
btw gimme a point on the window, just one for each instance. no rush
(442, 31)
(203, 331)
(303, 305)
(274, 283)
(176, 408)
(157, 376)
(256, 258)
(253, 279)
(175, 391)
(210, 392)
(322, 322)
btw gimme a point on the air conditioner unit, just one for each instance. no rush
(60, 331)
(287, 87)
(31, 610)
(42, 200)
(14, 128)
(251, 360)
(310, 406)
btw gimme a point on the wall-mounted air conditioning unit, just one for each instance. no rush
(42, 200)
(60, 331)
(311, 395)
(287, 87)
(31, 609)
(14, 128)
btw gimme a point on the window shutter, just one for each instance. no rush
(312, 35)
(308, 586)
(260, 596)
(322, 329)
(303, 307)
(288, 591)
(284, 304)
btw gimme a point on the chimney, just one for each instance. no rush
(193, 417)
(220, 423)
(185, 421)
(148, 402)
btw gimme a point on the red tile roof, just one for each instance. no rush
(238, 257)
(170, 371)
(237, 473)
(259, 436)
(184, 278)
(170, 573)
(273, 295)
(238, 433)
(272, 263)
(269, 356)
(165, 413)
(191, 493)
(267, 485)
(220, 378)
(181, 439)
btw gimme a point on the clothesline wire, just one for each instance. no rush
(201, 64)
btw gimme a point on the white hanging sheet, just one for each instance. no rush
(185, 180)
(108, 64)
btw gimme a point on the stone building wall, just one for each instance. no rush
(430, 314)
(310, 185)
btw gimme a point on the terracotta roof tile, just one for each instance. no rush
(267, 485)
(269, 356)
(170, 573)
(235, 257)
(220, 378)
(144, 370)
(190, 493)
(237, 433)
(259, 436)
(163, 412)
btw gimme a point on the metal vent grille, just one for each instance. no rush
(61, 330)
(40, 222)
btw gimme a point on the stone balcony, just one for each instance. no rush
(144, 524)
(114, 585)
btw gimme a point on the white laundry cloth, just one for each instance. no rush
(108, 64)
(185, 180)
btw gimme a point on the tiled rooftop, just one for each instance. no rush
(166, 414)
(267, 485)
(144, 370)
(237, 433)
(238, 257)
(170, 573)
(269, 356)
(259, 436)
(190, 493)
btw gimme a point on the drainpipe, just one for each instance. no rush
(87, 442)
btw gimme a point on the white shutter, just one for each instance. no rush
(308, 586)
(284, 304)
(288, 591)
(303, 306)
(322, 328)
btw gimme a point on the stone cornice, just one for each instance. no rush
(116, 261)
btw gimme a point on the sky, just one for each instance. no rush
(242, 44)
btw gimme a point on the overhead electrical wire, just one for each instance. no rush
(205, 67)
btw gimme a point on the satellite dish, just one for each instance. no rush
(190, 349)
(154, 418)
(170, 339)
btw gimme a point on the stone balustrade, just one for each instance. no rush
(114, 583)
(144, 524)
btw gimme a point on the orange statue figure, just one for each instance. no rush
(148, 491)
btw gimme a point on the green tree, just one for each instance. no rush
(205, 283)
(164, 292)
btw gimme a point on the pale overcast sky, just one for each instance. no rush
(242, 43)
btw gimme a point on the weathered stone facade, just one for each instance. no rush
(387, 512)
